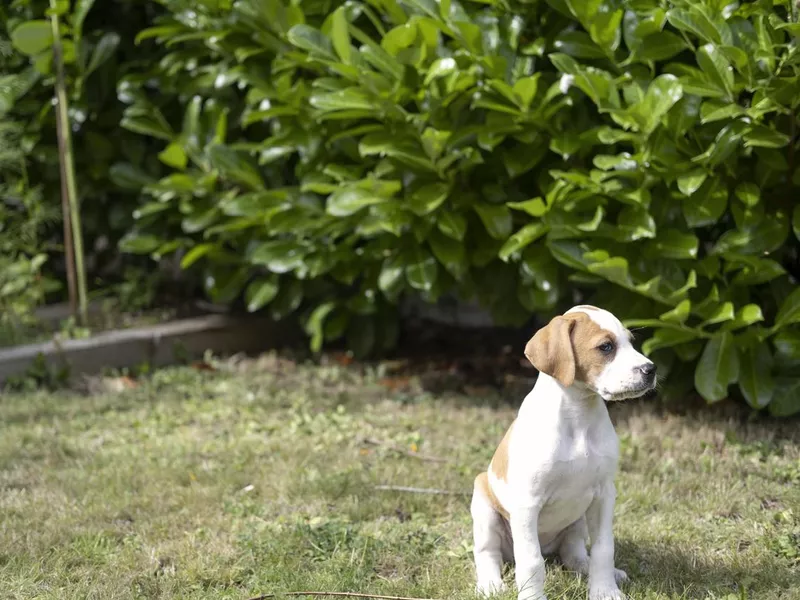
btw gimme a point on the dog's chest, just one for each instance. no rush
(579, 467)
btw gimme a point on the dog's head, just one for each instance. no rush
(590, 347)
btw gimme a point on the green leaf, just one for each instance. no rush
(349, 200)
(723, 313)
(661, 46)
(428, 198)
(147, 125)
(440, 68)
(790, 310)
(595, 83)
(129, 177)
(706, 206)
(450, 253)
(724, 144)
(615, 269)
(279, 256)
(690, 182)
(786, 398)
(32, 37)
(160, 31)
(759, 271)
(662, 94)
(524, 237)
(679, 314)
(761, 136)
(385, 144)
(698, 23)
(619, 162)
(525, 89)
(139, 243)
(748, 315)
(635, 223)
(346, 99)
(534, 207)
(254, 204)
(399, 38)
(82, 8)
(421, 270)
(496, 219)
(748, 193)
(605, 29)
(684, 114)
(289, 299)
(390, 280)
(199, 220)
(195, 254)
(673, 243)
(234, 166)
(173, 156)
(713, 110)
(315, 326)
(787, 348)
(578, 44)
(311, 40)
(796, 221)
(717, 368)
(340, 35)
(103, 50)
(452, 224)
(667, 338)
(260, 292)
(681, 292)
(717, 68)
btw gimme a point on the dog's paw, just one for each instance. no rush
(606, 593)
(490, 588)
(620, 576)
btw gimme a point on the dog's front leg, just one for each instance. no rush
(599, 517)
(528, 558)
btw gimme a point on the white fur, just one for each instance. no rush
(559, 487)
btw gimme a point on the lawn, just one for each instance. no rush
(261, 477)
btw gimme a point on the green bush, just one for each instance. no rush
(99, 48)
(330, 158)
(23, 214)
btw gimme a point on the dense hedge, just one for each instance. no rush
(99, 49)
(328, 158)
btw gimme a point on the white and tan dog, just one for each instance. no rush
(550, 485)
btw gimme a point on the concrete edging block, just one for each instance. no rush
(157, 345)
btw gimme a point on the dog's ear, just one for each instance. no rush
(550, 350)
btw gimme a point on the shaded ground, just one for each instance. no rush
(260, 477)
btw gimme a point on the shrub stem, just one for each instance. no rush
(73, 242)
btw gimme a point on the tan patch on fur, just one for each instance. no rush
(550, 350)
(499, 464)
(482, 485)
(567, 348)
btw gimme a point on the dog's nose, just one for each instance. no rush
(648, 370)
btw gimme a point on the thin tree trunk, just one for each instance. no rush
(69, 259)
(72, 219)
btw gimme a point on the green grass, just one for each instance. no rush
(245, 481)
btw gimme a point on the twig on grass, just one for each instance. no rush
(416, 490)
(379, 443)
(341, 594)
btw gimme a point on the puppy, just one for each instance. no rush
(550, 485)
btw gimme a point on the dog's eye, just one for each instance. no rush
(606, 347)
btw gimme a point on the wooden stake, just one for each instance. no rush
(73, 242)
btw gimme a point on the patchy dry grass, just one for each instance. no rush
(229, 484)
